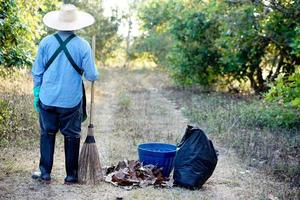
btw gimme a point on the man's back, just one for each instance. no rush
(61, 84)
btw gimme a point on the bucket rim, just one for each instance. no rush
(140, 146)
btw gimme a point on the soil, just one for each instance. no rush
(131, 107)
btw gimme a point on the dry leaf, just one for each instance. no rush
(130, 174)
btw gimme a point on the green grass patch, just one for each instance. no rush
(269, 115)
(124, 101)
(265, 135)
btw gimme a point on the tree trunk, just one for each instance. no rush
(260, 81)
(278, 68)
(252, 79)
(128, 38)
(257, 82)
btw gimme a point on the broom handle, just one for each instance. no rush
(92, 103)
(92, 84)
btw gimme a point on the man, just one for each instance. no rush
(59, 95)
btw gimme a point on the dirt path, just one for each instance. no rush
(131, 108)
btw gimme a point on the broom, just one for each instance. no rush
(89, 167)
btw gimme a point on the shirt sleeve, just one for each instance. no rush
(38, 67)
(90, 71)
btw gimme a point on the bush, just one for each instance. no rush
(269, 115)
(286, 92)
(241, 42)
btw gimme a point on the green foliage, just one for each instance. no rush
(181, 38)
(156, 42)
(194, 59)
(11, 32)
(268, 115)
(20, 30)
(105, 29)
(295, 42)
(286, 92)
(157, 14)
(240, 45)
(210, 42)
(155, 45)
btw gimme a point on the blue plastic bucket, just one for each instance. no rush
(159, 154)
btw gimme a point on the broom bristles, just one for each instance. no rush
(90, 170)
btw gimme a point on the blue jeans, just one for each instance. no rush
(52, 120)
(67, 120)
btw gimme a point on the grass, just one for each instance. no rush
(19, 124)
(18, 121)
(264, 135)
(150, 116)
(124, 101)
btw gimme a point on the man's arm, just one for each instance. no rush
(38, 67)
(37, 72)
(88, 64)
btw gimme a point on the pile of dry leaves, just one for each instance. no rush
(129, 174)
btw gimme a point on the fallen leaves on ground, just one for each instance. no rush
(132, 173)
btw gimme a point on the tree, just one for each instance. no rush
(194, 58)
(179, 37)
(255, 40)
(156, 41)
(211, 41)
(20, 30)
(105, 28)
(241, 46)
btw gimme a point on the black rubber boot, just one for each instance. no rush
(71, 157)
(38, 176)
(47, 144)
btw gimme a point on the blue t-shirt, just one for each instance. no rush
(61, 85)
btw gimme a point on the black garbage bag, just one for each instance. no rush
(195, 159)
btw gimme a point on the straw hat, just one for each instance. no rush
(68, 18)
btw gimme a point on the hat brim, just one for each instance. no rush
(83, 19)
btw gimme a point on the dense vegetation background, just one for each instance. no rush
(232, 43)
(238, 46)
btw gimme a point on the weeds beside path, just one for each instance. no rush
(132, 107)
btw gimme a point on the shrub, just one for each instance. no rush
(286, 92)
(269, 115)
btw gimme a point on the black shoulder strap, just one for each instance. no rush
(63, 47)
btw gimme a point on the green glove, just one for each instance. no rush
(36, 94)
